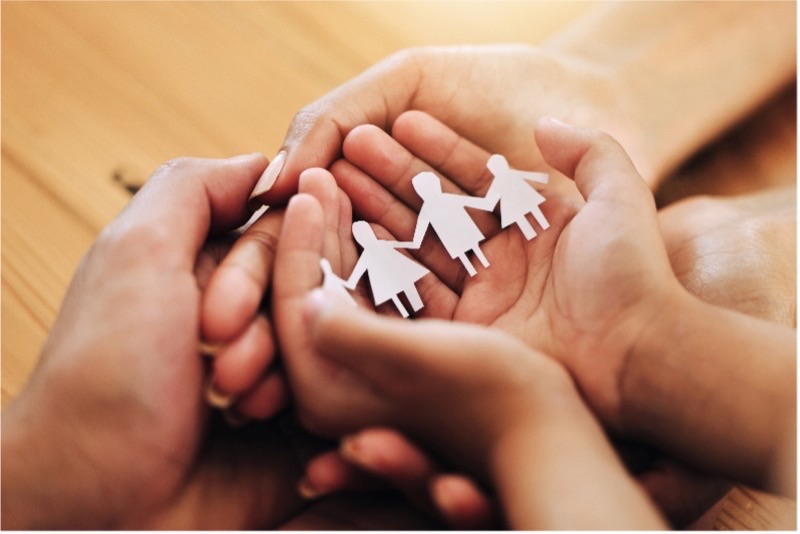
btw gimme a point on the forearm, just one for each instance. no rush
(686, 71)
(560, 472)
(718, 389)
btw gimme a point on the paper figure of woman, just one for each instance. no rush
(389, 271)
(517, 198)
(446, 213)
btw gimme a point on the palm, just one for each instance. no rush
(547, 291)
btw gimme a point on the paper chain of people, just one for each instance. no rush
(390, 272)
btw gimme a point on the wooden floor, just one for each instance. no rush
(96, 95)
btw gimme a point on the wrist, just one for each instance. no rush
(548, 467)
(684, 72)
(715, 388)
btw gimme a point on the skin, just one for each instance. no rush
(686, 230)
(538, 444)
(637, 71)
(115, 407)
(617, 326)
(570, 77)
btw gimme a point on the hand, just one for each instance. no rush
(503, 417)
(562, 292)
(247, 380)
(597, 291)
(491, 95)
(377, 457)
(111, 430)
(737, 252)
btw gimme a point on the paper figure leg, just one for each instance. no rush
(539, 216)
(399, 306)
(481, 258)
(413, 297)
(467, 265)
(527, 229)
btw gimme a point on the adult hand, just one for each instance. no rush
(737, 252)
(580, 291)
(596, 290)
(491, 95)
(381, 457)
(110, 432)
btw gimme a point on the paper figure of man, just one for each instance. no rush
(517, 198)
(446, 213)
(332, 283)
(389, 271)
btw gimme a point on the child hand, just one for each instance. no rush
(482, 399)
(581, 290)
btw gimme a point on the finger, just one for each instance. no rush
(607, 179)
(237, 287)
(377, 205)
(185, 200)
(320, 184)
(329, 472)
(600, 167)
(389, 455)
(269, 396)
(297, 271)
(239, 365)
(392, 165)
(297, 268)
(462, 504)
(387, 352)
(441, 148)
(316, 134)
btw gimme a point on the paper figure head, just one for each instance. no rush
(363, 234)
(427, 185)
(497, 164)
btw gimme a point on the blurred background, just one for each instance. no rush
(95, 95)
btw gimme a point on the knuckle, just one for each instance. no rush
(135, 243)
(174, 164)
(266, 242)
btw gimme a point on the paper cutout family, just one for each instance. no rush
(391, 272)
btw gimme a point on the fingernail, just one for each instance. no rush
(216, 398)
(559, 122)
(208, 349)
(350, 450)
(307, 491)
(267, 180)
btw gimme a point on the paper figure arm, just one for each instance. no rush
(419, 231)
(358, 271)
(486, 203)
(402, 244)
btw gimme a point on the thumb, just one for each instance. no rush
(600, 167)
(387, 352)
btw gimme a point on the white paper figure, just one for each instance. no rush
(517, 198)
(446, 214)
(389, 272)
(331, 282)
